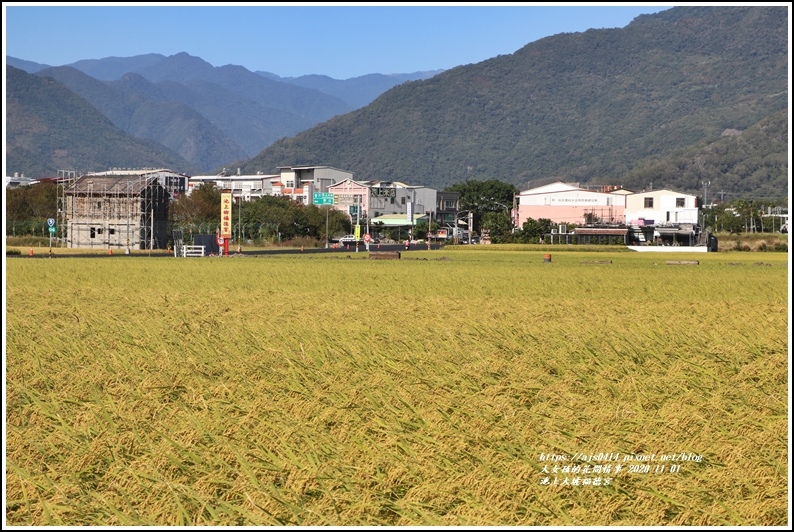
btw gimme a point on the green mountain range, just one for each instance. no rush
(211, 116)
(598, 107)
(690, 98)
(50, 128)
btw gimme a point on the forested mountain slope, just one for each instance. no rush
(589, 107)
(50, 128)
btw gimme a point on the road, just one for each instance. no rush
(40, 253)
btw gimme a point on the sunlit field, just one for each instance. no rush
(455, 387)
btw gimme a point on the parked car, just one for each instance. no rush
(349, 239)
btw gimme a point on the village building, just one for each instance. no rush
(127, 211)
(247, 187)
(564, 203)
(664, 217)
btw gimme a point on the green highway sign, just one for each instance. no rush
(323, 198)
(52, 229)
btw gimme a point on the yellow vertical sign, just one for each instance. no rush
(226, 214)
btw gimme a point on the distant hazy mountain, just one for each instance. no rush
(140, 108)
(248, 123)
(112, 68)
(308, 103)
(50, 128)
(212, 116)
(28, 66)
(586, 107)
(356, 92)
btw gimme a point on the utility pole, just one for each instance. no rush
(706, 192)
(151, 233)
(358, 221)
(514, 215)
(327, 210)
(429, 225)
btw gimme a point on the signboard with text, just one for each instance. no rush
(383, 192)
(323, 198)
(226, 214)
(346, 199)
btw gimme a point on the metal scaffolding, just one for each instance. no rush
(121, 211)
(66, 179)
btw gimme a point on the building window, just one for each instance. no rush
(403, 200)
(449, 205)
(112, 231)
(93, 232)
(649, 203)
(679, 203)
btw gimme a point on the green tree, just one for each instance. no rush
(481, 197)
(533, 230)
(499, 226)
(423, 227)
(35, 202)
(338, 222)
(203, 205)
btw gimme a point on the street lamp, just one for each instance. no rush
(470, 223)
(507, 213)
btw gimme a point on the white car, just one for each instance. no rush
(349, 239)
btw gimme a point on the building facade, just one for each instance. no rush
(116, 211)
(247, 187)
(660, 207)
(563, 203)
(664, 217)
(301, 182)
(368, 200)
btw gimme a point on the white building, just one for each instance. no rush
(246, 186)
(664, 217)
(19, 180)
(298, 182)
(658, 207)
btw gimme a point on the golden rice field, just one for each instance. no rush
(455, 387)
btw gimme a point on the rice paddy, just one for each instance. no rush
(460, 387)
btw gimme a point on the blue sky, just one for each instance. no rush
(293, 39)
